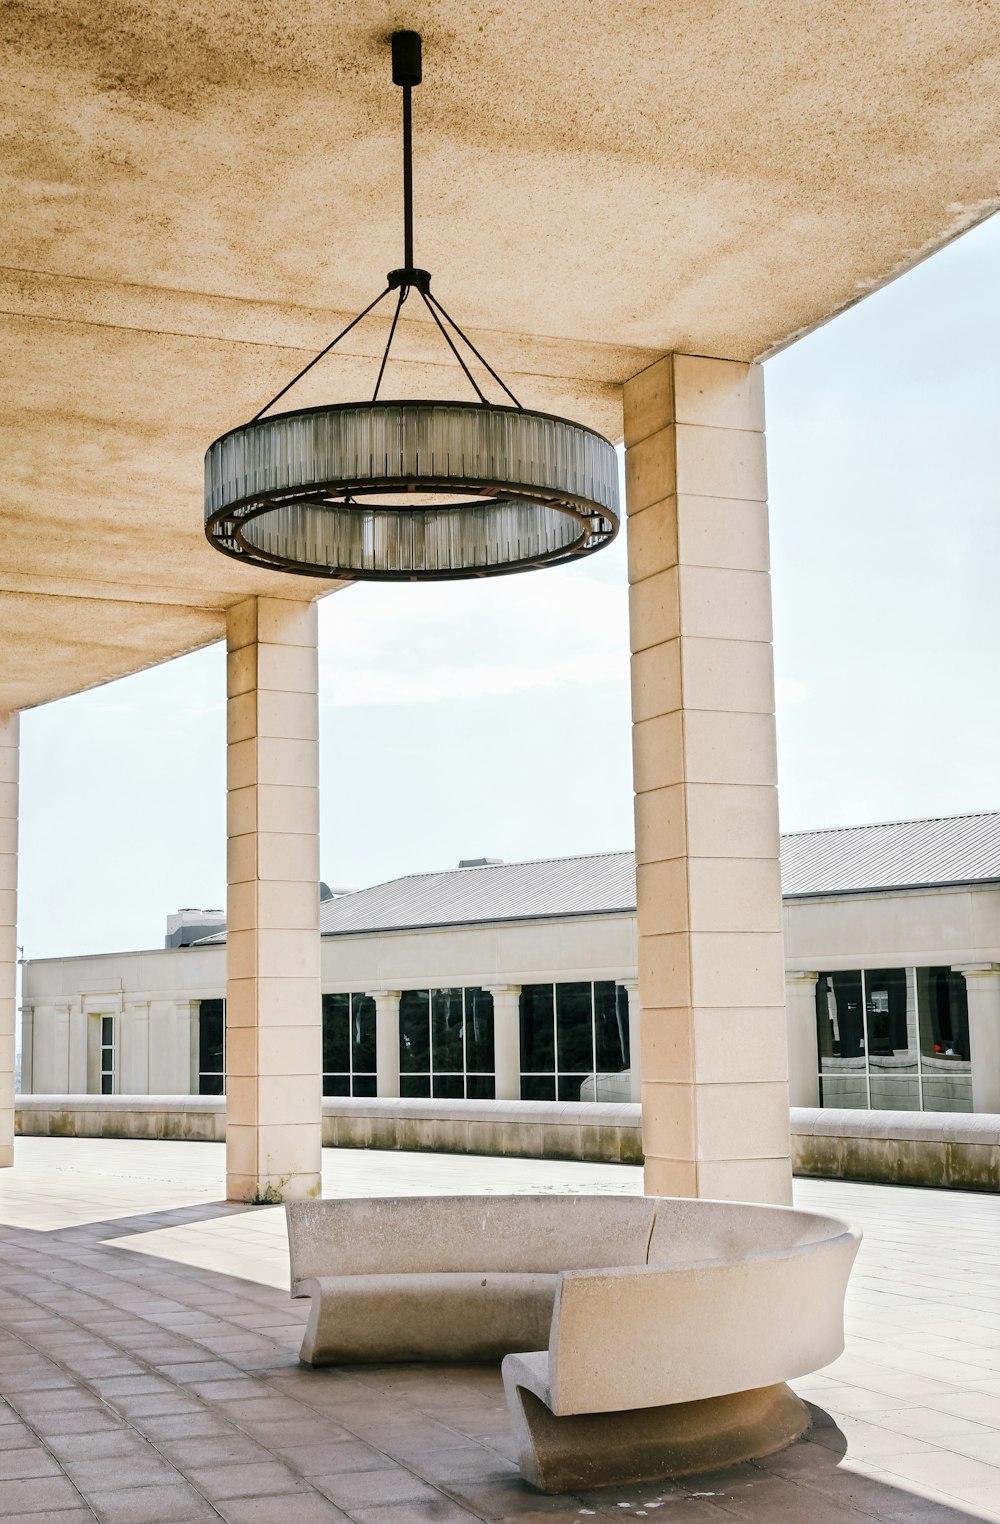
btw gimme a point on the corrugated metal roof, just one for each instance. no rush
(561, 886)
(901, 854)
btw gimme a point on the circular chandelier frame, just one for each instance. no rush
(301, 491)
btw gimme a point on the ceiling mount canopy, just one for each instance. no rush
(410, 490)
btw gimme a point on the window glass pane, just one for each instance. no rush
(946, 1070)
(336, 1084)
(538, 1054)
(538, 1087)
(364, 1085)
(890, 1009)
(569, 1086)
(449, 1087)
(841, 1040)
(574, 1026)
(414, 1085)
(481, 1087)
(210, 1084)
(211, 1039)
(106, 1086)
(362, 1034)
(414, 1035)
(336, 1034)
(447, 1017)
(479, 1057)
(107, 1031)
(611, 1027)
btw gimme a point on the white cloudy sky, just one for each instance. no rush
(492, 720)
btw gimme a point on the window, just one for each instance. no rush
(348, 1045)
(446, 1044)
(894, 1039)
(212, 1047)
(107, 1055)
(574, 1039)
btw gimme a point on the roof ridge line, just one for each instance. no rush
(881, 825)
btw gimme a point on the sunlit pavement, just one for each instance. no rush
(148, 1362)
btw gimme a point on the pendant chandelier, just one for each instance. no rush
(410, 490)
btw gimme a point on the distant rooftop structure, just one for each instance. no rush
(900, 854)
(190, 925)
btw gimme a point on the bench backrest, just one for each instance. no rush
(647, 1336)
(421, 1234)
(689, 1230)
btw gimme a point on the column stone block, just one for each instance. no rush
(9, 763)
(712, 1029)
(273, 1002)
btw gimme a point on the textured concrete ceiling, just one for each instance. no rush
(197, 195)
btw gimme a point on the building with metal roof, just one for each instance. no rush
(520, 980)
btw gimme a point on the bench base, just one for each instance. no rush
(651, 1444)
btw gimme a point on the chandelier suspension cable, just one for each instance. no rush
(322, 354)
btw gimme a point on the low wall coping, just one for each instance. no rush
(541, 1113)
(977, 1128)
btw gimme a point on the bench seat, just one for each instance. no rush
(442, 1315)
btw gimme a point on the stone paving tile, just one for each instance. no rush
(152, 1505)
(308, 1510)
(239, 1481)
(17, 1465)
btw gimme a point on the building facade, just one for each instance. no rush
(520, 981)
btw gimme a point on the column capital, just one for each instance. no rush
(502, 989)
(383, 994)
(972, 969)
(801, 976)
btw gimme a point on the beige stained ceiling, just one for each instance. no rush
(196, 195)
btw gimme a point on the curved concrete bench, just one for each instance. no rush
(644, 1337)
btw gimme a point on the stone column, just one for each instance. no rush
(634, 1043)
(386, 1041)
(59, 1058)
(711, 966)
(982, 984)
(9, 753)
(507, 1041)
(273, 1007)
(803, 1046)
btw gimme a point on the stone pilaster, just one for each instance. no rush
(803, 1046)
(386, 1042)
(982, 984)
(507, 1041)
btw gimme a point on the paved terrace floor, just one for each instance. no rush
(149, 1373)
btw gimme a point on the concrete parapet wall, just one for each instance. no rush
(598, 1131)
(958, 1150)
(189, 1118)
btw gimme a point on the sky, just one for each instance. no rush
(492, 719)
